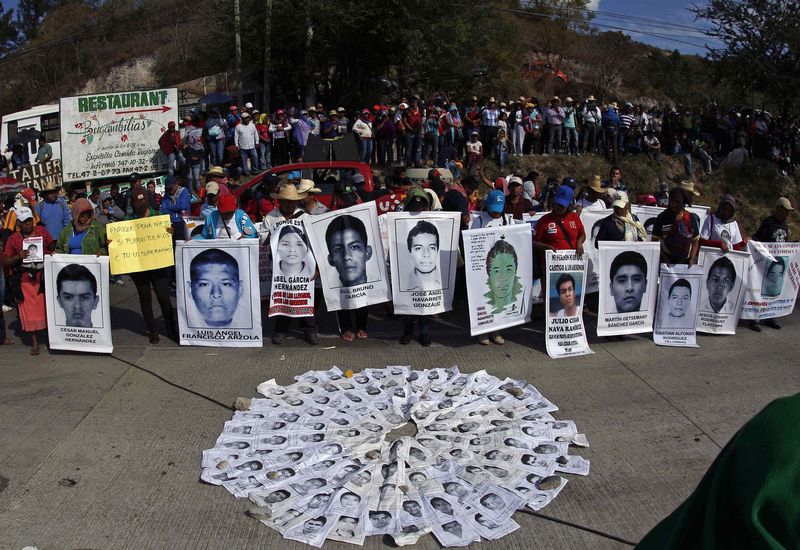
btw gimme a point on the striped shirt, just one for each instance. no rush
(489, 117)
(625, 120)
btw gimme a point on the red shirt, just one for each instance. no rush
(549, 232)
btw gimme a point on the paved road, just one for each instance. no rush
(99, 452)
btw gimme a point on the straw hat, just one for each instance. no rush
(288, 192)
(688, 186)
(596, 186)
(216, 172)
(307, 186)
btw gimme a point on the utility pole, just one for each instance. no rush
(238, 30)
(267, 55)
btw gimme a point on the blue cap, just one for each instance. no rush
(564, 196)
(495, 201)
(170, 181)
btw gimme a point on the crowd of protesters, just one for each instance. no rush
(439, 132)
(75, 223)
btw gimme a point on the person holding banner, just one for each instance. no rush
(560, 229)
(678, 231)
(720, 229)
(85, 235)
(621, 225)
(774, 229)
(159, 279)
(493, 208)
(228, 222)
(421, 242)
(27, 280)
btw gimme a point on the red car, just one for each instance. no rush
(325, 175)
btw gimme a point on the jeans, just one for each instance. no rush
(346, 322)
(572, 139)
(424, 324)
(365, 149)
(385, 151)
(171, 158)
(252, 156)
(502, 155)
(554, 138)
(2, 301)
(413, 147)
(160, 281)
(589, 138)
(217, 149)
(264, 155)
(431, 151)
(193, 176)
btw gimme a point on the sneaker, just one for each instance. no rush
(6, 308)
(119, 282)
(497, 339)
(312, 338)
(278, 338)
(153, 337)
(405, 338)
(772, 323)
(425, 339)
(484, 341)
(754, 326)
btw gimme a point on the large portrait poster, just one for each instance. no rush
(293, 267)
(591, 224)
(565, 277)
(628, 287)
(773, 280)
(217, 292)
(115, 134)
(499, 268)
(679, 296)
(423, 248)
(722, 293)
(76, 291)
(347, 245)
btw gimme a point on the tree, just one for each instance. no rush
(8, 31)
(761, 49)
(608, 59)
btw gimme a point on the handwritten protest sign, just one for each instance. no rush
(140, 245)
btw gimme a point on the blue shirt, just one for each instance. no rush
(55, 216)
(175, 205)
(75, 243)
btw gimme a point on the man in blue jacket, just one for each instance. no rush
(53, 211)
(228, 222)
(176, 203)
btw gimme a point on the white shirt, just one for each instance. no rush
(246, 136)
(714, 230)
(485, 220)
(586, 204)
(362, 129)
(232, 227)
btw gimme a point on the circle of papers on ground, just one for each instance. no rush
(315, 460)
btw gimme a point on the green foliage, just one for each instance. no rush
(8, 31)
(761, 47)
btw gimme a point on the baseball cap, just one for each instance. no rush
(248, 105)
(495, 201)
(234, 108)
(227, 204)
(245, 115)
(169, 181)
(212, 188)
(23, 213)
(134, 176)
(171, 124)
(784, 203)
(563, 196)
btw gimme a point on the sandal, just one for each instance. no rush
(35, 351)
(7, 342)
(348, 336)
(362, 334)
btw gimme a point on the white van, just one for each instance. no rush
(44, 118)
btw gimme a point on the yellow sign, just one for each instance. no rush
(140, 245)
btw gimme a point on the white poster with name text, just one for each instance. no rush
(293, 267)
(499, 270)
(217, 292)
(723, 289)
(423, 251)
(678, 299)
(350, 259)
(773, 280)
(76, 292)
(591, 224)
(565, 290)
(628, 287)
